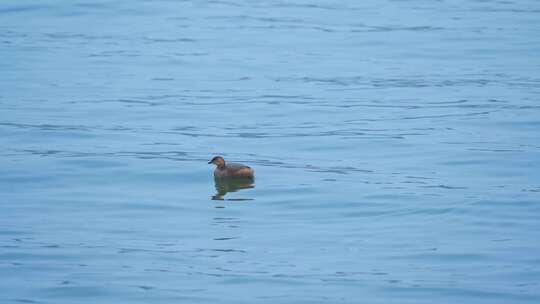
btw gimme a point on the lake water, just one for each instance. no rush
(396, 147)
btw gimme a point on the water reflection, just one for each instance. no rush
(226, 185)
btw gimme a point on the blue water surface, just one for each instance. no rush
(396, 146)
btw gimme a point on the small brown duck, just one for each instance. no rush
(228, 170)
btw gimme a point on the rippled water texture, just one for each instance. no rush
(396, 146)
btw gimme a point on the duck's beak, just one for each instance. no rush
(210, 162)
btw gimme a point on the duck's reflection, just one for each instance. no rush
(226, 185)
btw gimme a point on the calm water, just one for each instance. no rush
(396, 146)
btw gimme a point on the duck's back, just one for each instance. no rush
(234, 170)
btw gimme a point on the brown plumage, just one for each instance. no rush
(226, 170)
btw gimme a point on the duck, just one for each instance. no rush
(231, 170)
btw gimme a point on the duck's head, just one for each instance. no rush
(218, 161)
